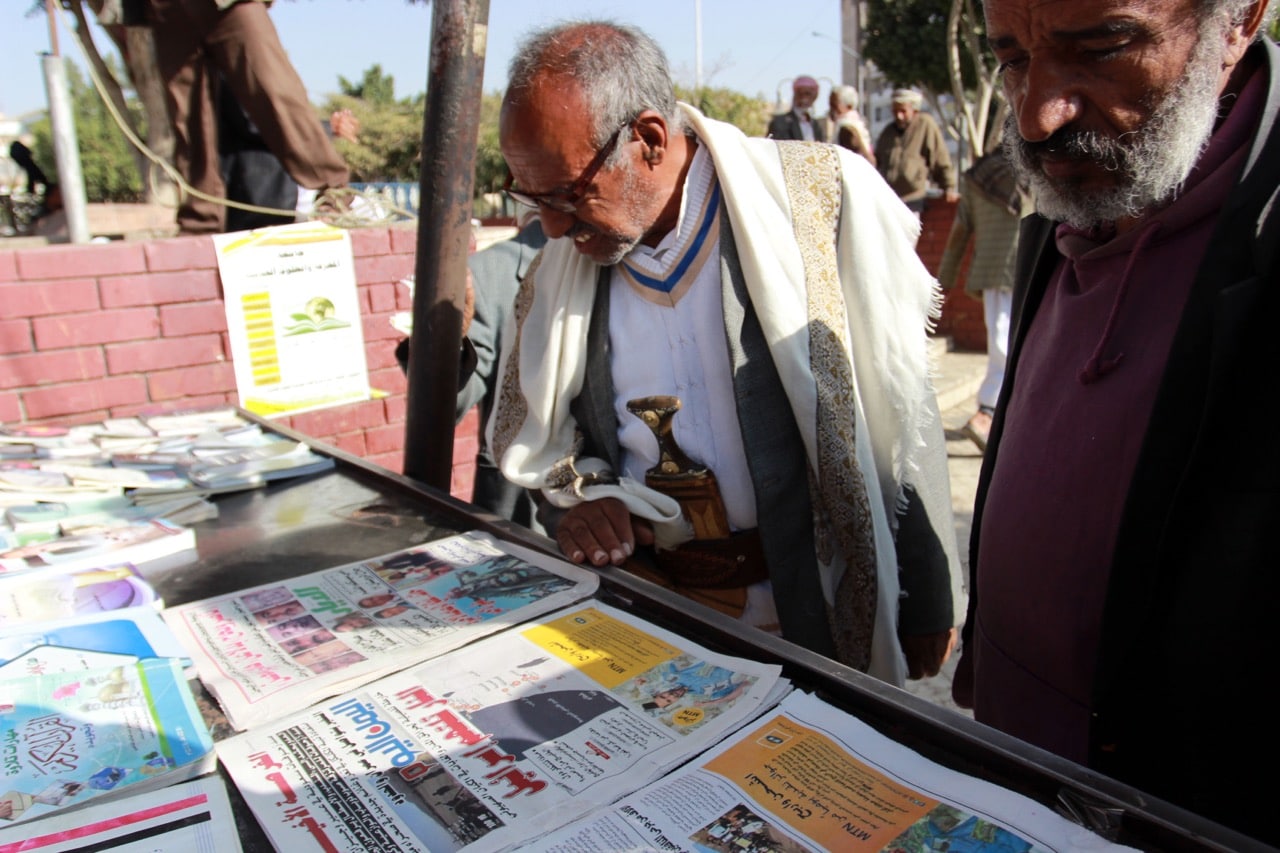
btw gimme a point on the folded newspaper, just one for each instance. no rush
(499, 742)
(271, 649)
(812, 777)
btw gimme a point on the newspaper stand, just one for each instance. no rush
(358, 511)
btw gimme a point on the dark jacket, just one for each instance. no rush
(496, 272)
(1187, 634)
(787, 126)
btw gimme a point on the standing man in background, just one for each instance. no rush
(850, 129)
(800, 122)
(912, 151)
(993, 201)
(1124, 569)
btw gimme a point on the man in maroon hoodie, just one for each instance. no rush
(1124, 570)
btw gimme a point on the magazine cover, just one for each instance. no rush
(267, 650)
(498, 742)
(77, 737)
(810, 777)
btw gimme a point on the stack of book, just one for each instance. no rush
(95, 702)
(78, 496)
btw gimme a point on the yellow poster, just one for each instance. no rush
(293, 318)
(609, 651)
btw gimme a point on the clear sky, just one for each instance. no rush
(751, 46)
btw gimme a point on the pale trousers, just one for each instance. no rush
(996, 305)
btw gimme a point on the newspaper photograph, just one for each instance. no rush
(497, 743)
(270, 649)
(811, 777)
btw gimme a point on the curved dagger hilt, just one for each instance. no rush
(692, 484)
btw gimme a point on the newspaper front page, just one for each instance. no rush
(497, 743)
(812, 777)
(271, 649)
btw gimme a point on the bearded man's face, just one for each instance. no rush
(1112, 103)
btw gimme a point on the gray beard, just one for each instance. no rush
(1151, 163)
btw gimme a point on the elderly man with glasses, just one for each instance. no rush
(717, 372)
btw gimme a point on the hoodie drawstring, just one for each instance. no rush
(1095, 368)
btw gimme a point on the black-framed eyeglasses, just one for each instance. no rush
(566, 200)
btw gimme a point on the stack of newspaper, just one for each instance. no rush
(465, 694)
(499, 742)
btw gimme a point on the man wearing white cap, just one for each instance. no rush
(800, 122)
(912, 151)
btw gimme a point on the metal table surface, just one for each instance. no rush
(359, 511)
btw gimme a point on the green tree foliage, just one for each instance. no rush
(907, 40)
(390, 140)
(491, 169)
(748, 114)
(374, 87)
(105, 159)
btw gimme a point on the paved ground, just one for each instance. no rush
(957, 380)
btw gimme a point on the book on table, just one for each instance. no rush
(78, 737)
(40, 596)
(138, 542)
(136, 632)
(249, 467)
(194, 815)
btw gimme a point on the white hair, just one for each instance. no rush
(846, 96)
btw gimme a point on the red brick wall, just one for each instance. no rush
(97, 331)
(962, 318)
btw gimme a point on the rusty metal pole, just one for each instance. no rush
(459, 29)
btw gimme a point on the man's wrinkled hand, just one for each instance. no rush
(926, 653)
(601, 532)
(345, 125)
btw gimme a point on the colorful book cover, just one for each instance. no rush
(138, 631)
(71, 738)
(38, 596)
(193, 816)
